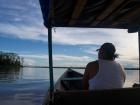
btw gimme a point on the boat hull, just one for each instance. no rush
(70, 80)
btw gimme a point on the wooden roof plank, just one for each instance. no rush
(71, 13)
(78, 9)
(111, 17)
(127, 17)
(108, 11)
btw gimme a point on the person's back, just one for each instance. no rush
(108, 76)
(105, 73)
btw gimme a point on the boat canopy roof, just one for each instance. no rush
(121, 14)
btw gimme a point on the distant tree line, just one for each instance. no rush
(10, 60)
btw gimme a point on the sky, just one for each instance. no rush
(22, 32)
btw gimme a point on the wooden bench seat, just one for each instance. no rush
(124, 96)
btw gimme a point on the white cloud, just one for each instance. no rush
(71, 36)
(71, 58)
(58, 60)
(91, 51)
(82, 36)
(74, 61)
(75, 36)
(126, 44)
(28, 61)
(38, 56)
(24, 32)
(58, 57)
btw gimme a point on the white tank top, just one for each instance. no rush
(109, 75)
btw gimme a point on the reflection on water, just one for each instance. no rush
(29, 85)
(10, 73)
(22, 86)
(132, 76)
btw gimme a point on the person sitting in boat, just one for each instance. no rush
(104, 73)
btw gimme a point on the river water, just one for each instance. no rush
(28, 86)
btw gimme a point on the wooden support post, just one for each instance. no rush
(50, 60)
(139, 52)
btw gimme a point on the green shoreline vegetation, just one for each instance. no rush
(8, 60)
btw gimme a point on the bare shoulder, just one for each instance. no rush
(90, 71)
(92, 64)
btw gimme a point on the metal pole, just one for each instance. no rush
(50, 60)
(139, 52)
